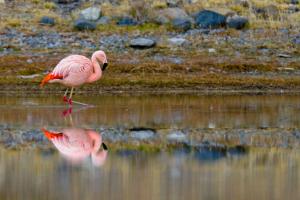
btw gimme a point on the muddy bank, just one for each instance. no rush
(165, 139)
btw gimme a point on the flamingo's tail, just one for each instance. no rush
(51, 135)
(49, 77)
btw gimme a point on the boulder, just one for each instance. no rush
(127, 21)
(294, 2)
(237, 22)
(210, 19)
(91, 13)
(82, 24)
(296, 40)
(45, 20)
(270, 11)
(166, 15)
(103, 20)
(66, 1)
(173, 3)
(177, 41)
(182, 24)
(142, 43)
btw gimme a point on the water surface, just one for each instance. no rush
(40, 170)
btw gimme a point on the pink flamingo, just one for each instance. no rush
(76, 144)
(76, 70)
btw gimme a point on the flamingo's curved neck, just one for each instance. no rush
(97, 72)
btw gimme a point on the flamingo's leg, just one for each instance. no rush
(65, 99)
(70, 97)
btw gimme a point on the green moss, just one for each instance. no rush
(28, 72)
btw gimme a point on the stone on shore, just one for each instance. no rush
(47, 21)
(237, 22)
(82, 24)
(91, 13)
(169, 14)
(182, 24)
(127, 21)
(210, 19)
(142, 43)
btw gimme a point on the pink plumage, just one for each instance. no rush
(76, 70)
(77, 144)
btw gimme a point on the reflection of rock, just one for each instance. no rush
(177, 136)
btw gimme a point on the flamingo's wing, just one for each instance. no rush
(72, 64)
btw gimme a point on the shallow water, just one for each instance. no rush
(43, 169)
(163, 111)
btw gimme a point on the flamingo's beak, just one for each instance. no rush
(104, 66)
(104, 146)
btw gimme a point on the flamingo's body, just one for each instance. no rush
(77, 144)
(76, 70)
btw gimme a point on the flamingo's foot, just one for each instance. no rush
(65, 99)
(67, 112)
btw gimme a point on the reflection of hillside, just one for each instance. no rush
(260, 174)
(160, 111)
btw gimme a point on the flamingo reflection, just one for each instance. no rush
(76, 144)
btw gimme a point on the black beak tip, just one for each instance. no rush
(104, 66)
(104, 146)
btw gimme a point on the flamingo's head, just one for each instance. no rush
(101, 57)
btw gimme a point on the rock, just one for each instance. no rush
(282, 55)
(66, 1)
(294, 2)
(103, 20)
(126, 21)
(270, 11)
(182, 24)
(293, 9)
(28, 76)
(177, 136)
(47, 21)
(211, 50)
(237, 22)
(169, 14)
(143, 135)
(244, 3)
(142, 43)
(177, 41)
(91, 13)
(210, 19)
(296, 40)
(82, 24)
(173, 3)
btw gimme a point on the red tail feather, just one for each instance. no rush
(51, 135)
(49, 77)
